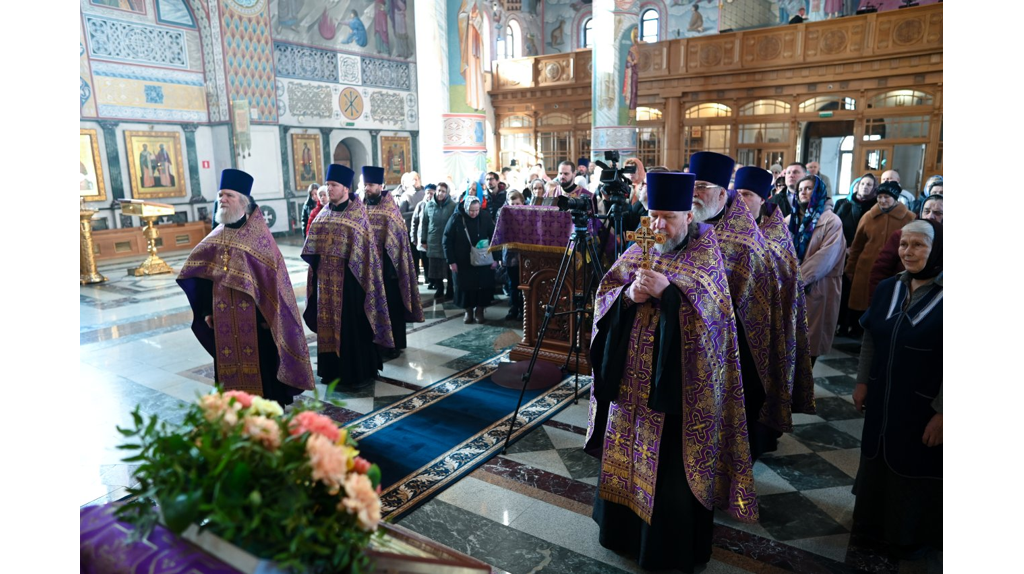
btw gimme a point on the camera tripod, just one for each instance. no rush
(583, 244)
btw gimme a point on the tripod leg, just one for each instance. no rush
(563, 270)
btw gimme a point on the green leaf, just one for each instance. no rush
(374, 475)
(181, 511)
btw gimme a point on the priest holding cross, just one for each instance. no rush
(667, 381)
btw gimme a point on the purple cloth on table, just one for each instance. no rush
(535, 225)
(104, 548)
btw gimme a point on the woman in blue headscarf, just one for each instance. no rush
(820, 247)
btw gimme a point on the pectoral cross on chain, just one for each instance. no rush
(224, 257)
(645, 238)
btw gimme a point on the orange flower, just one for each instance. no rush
(327, 460)
(215, 405)
(361, 500)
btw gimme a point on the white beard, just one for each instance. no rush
(228, 216)
(702, 213)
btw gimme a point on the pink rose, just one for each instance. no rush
(315, 423)
(360, 465)
(243, 398)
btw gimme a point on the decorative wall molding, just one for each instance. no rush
(306, 63)
(387, 108)
(385, 73)
(310, 100)
(350, 70)
(130, 42)
(147, 74)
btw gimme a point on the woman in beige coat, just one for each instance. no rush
(873, 231)
(820, 245)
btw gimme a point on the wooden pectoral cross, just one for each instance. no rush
(645, 238)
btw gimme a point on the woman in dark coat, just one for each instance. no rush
(474, 285)
(899, 385)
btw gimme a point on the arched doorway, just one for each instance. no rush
(351, 153)
(342, 155)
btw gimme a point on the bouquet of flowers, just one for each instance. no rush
(286, 488)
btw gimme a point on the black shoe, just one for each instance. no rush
(511, 315)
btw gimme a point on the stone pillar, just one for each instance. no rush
(433, 44)
(113, 162)
(614, 81)
(415, 151)
(673, 128)
(325, 143)
(373, 143)
(193, 163)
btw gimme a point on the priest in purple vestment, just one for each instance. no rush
(755, 288)
(754, 186)
(345, 298)
(399, 272)
(666, 408)
(243, 306)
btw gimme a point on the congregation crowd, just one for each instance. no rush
(702, 344)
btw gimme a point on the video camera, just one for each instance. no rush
(615, 186)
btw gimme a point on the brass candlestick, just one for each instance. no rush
(153, 265)
(148, 212)
(87, 262)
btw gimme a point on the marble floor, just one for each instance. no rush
(525, 511)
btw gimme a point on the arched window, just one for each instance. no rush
(587, 35)
(764, 107)
(900, 98)
(649, 24)
(644, 114)
(510, 45)
(708, 111)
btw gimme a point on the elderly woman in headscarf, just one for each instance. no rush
(873, 230)
(899, 386)
(888, 261)
(820, 246)
(470, 227)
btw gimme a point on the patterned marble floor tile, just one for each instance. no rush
(822, 436)
(748, 527)
(579, 463)
(852, 427)
(833, 546)
(847, 461)
(483, 499)
(836, 409)
(822, 392)
(383, 389)
(767, 481)
(562, 438)
(570, 530)
(841, 385)
(459, 529)
(385, 401)
(575, 414)
(807, 471)
(787, 445)
(837, 502)
(846, 365)
(534, 441)
(802, 419)
(792, 516)
(545, 460)
(822, 369)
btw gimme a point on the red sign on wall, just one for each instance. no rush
(206, 164)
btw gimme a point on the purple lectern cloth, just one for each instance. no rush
(104, 549)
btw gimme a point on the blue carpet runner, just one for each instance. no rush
(428, 440)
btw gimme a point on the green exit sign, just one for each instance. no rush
(824, 114)
(351, 124)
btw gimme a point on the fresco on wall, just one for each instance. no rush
(174, 12)
(372, 27)
(558, 17)
(133, 6)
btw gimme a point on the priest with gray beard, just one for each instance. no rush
(767, 348)
(243, 305)
(666, 414)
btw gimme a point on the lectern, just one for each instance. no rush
(148, 211)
